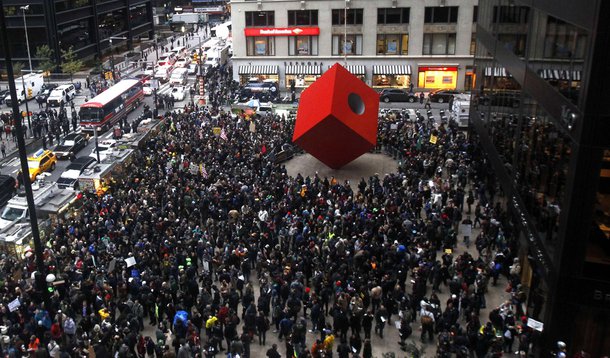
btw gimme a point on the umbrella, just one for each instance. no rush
(401, 248)
(182, 316)
(254, 103)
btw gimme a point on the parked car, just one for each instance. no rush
(69, 178)
(3, 94)
(7, 188)
(442, 96)
(396, 95)
(179, 93)
(62, 94)
(150, 70)
(501, 99)
(70, 145)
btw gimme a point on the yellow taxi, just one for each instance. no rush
(41, 161)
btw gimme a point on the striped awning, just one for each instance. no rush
(560, 75)
(496, 72)
(258, 70)
(392, 70)
(358, 70)
(304, 70)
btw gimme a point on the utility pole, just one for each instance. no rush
(40, 279)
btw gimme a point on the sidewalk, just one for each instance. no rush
(12, 152)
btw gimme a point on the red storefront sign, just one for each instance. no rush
(437, 68)
(282, 31)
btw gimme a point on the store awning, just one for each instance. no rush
(560, 75)
(358, 70)
(392, 70)
(496, 72)
(258, 70)
(304, 70)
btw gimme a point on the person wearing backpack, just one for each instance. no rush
(427, 322)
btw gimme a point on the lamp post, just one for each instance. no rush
(38, 248)
(27, 45)
(156, 110)
(112, 54)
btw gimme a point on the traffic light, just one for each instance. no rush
(29, 93)
(196, 57)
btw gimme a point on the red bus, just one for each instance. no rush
(107, 108)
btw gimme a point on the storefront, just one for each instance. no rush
(391, 76)
(565, 81)
(498, 78)
(302, 75)
(258, 73)
(356, 70)
(437, 77)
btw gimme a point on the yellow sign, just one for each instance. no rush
(216, 130)
(448, 251)
(433, 139)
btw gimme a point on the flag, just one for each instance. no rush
(204, 173)
(223, 134)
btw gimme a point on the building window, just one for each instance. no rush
(514, 43)
(564, 40)
(303, 46)
(510, 14)
(439, 44)
(260, 18)
(350, 45)
(78, 33)
(475, 14)
(302, 17)
(63, 5)
(393, 44)
(441, 14)
(138, 15)
(260, 46)
(109, 24)
(473, 44)
(393, 16)
(354, 16)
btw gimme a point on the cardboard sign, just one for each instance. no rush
(433, 139)
(537, 325)
(252, 127)
(216, 130)
(130, 261)
(14, 305)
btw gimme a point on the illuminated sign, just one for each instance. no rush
(282, 31)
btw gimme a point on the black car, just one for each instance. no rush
(501, 99)
(396, 95)
(442, 96)
(70, 145)
(69, 178)
(7, 188)
(45, 91)
(3, 93)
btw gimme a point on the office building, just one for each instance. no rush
(387, 43)
(543, 120)
(84, 25)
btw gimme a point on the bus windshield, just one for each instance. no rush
(87, 114)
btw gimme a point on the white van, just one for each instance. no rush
(179, 76)
(166, 59)
(33, 85)
(61, 95)
(163, 73)
(179, 51)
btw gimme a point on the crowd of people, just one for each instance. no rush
(212, 243)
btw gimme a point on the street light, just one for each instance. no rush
(27, 45)
(112, 54)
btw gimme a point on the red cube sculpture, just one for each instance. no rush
(337, 118)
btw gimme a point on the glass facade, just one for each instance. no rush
(77, 34)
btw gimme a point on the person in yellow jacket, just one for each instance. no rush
(103, 312)
(328, 343)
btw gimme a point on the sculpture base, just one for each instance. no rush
(365, 166)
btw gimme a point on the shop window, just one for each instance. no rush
(350, 45)
(514, 43)
(392, 44)
(301, 81)
(441, 14)
(437, 77)
(354, 16)
(510, 14)
(597, 258)
(439, 44)
(392, 81)
(564, 40)
(393, 15)
(303, 46)
(260, 46)
(260, 18)
(302, 17)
